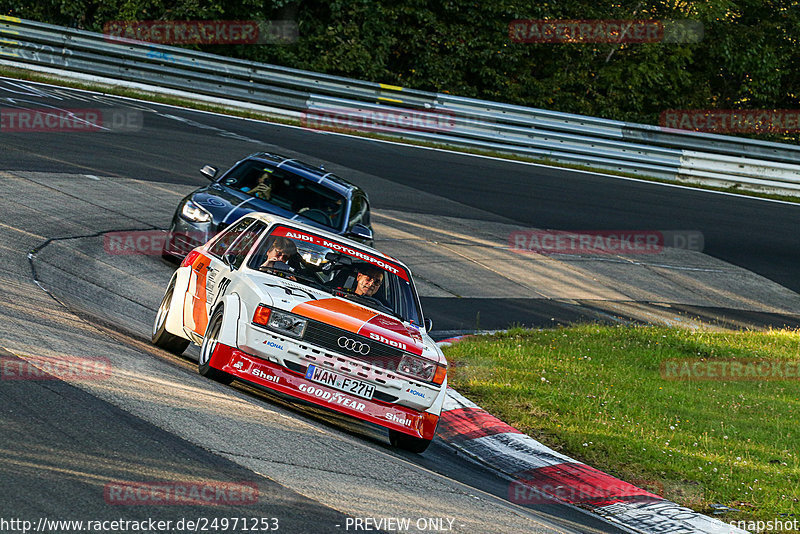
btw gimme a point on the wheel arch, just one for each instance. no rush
(174, 322)
(438, 402)
(229, 304)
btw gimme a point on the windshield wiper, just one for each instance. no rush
(312, 282)
(291, 274)
(291, 290)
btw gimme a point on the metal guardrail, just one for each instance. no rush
(464, 122)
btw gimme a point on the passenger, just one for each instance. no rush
(263, 189)
(282, 249)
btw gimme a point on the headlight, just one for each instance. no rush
(285, 323)
(416, 367)
(193, 212)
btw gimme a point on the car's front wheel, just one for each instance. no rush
(210, 342)
(408, 443)
(162, 338)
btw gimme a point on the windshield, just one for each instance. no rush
(288, 191)
(340, 269)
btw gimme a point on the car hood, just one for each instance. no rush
(341, 313)
(227, 205)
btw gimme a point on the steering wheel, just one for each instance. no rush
(316, 215)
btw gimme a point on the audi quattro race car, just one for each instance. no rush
(309, 314)
(268, 183)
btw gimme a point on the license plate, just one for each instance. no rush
(342, 383)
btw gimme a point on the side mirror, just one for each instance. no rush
(360, 231)
(428, 324)
(230, 260)
(209, 171)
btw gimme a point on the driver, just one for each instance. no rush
(330, 210)
(368, 280)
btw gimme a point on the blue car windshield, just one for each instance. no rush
(289, 191)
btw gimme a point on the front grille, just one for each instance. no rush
(327, 336)
(183, 245)
(385, 397)
(296, 367)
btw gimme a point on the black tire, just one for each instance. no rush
(160, 337)
(210, 341)
(408, 443)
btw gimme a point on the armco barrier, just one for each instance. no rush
(562, 137)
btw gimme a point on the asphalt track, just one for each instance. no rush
(153, 419)
(757, 235)
(81, 435)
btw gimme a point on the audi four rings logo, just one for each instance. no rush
(352, 344)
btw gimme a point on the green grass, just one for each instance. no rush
(596, 394)
(118, 90)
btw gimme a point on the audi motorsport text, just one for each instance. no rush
(312, 315)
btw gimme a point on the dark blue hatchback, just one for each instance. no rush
(269, 183)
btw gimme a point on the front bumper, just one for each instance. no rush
(273, 376)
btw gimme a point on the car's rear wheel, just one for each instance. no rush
(408, 443)
(210, 342)
(162, 338)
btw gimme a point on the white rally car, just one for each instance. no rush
(312, 315)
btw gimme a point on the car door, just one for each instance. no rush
(229, 260)
(204, 274)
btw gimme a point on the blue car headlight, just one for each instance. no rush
(194, 213)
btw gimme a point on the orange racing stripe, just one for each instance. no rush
(200, 311)
(335, 312)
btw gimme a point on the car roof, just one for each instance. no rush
(316, 174)
(271, 219)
